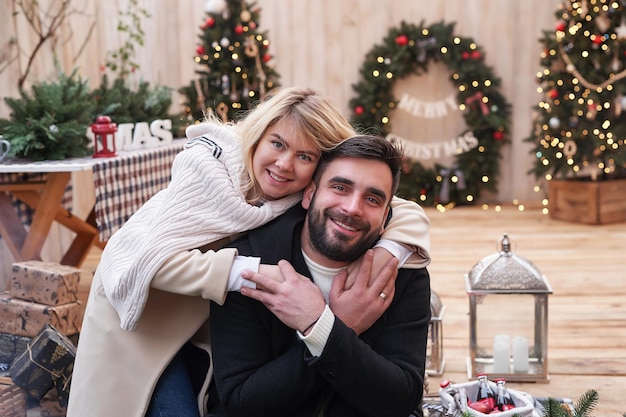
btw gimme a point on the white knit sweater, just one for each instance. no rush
(203, 203)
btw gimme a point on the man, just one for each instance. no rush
(319, 348)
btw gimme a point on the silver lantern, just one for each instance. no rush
(508, 300)
(434, 348)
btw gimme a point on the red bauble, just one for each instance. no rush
(498, 135)
(465, 56)
(238, 29)
(476, 55)
(358, 110)
(560, 27)
(597, 39)
(402, 40)
(208, 23)
(252, 25)
(200, 50)
(554, 93)
(267, 58)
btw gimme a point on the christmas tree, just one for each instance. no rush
(580, 123)
(234, 57)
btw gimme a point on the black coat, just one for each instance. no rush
(263, 369)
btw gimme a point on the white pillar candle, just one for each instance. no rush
(501, 354)
(520, 354)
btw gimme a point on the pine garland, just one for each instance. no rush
(407, 50)
(52, 121)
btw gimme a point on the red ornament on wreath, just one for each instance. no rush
(200, 50)
(553, 94)
(597, 39)
(476, 55)
(465, 55)
(402, 40)
(267, 58)
(498, 135)
(208, 23)
(358, 110)
(560, 27)
(238, 29)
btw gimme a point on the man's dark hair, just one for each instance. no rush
(366, 147)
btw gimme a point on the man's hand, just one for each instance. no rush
(297, 301)
(360, 305)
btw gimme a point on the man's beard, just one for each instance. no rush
(337, 247)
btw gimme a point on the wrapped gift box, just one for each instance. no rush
(12, 399)
(11, 346)
(62, 385)
(25, 318)
(45, 282)
(48, 360)
(51, 406)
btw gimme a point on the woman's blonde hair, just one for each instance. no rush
(312, 114)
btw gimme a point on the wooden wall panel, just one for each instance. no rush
(318, 43)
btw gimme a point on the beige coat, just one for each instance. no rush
(116, 370)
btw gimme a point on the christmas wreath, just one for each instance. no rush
(407, 50)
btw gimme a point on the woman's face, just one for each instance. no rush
(284, 160)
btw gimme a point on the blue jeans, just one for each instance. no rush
(174, 395)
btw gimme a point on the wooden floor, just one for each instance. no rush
(586, 267)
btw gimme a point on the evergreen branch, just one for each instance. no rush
(586, 403)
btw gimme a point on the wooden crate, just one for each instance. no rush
(589, 202)
(12, 399)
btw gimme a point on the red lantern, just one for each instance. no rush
(103, 137)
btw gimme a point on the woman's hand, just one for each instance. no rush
(366, 299)
(381, 258)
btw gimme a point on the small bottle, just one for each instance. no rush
(461, 400)
(485, 393)
(447, 394)
(504, 401)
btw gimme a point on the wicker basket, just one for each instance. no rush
(12, 399)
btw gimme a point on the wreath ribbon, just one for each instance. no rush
(422, 46)
(446, 174)
(478, 96)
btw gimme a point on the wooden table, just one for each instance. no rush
(121, 185)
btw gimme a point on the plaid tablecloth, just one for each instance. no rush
(124, 183)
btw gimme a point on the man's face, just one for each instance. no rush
(346, 210)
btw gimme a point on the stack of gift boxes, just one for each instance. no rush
(40, 320)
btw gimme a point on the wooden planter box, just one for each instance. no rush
(590, 202)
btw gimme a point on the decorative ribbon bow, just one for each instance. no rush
(478, 96)
(446, 174)
(423, 47)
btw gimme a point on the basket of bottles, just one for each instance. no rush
(483, 397)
